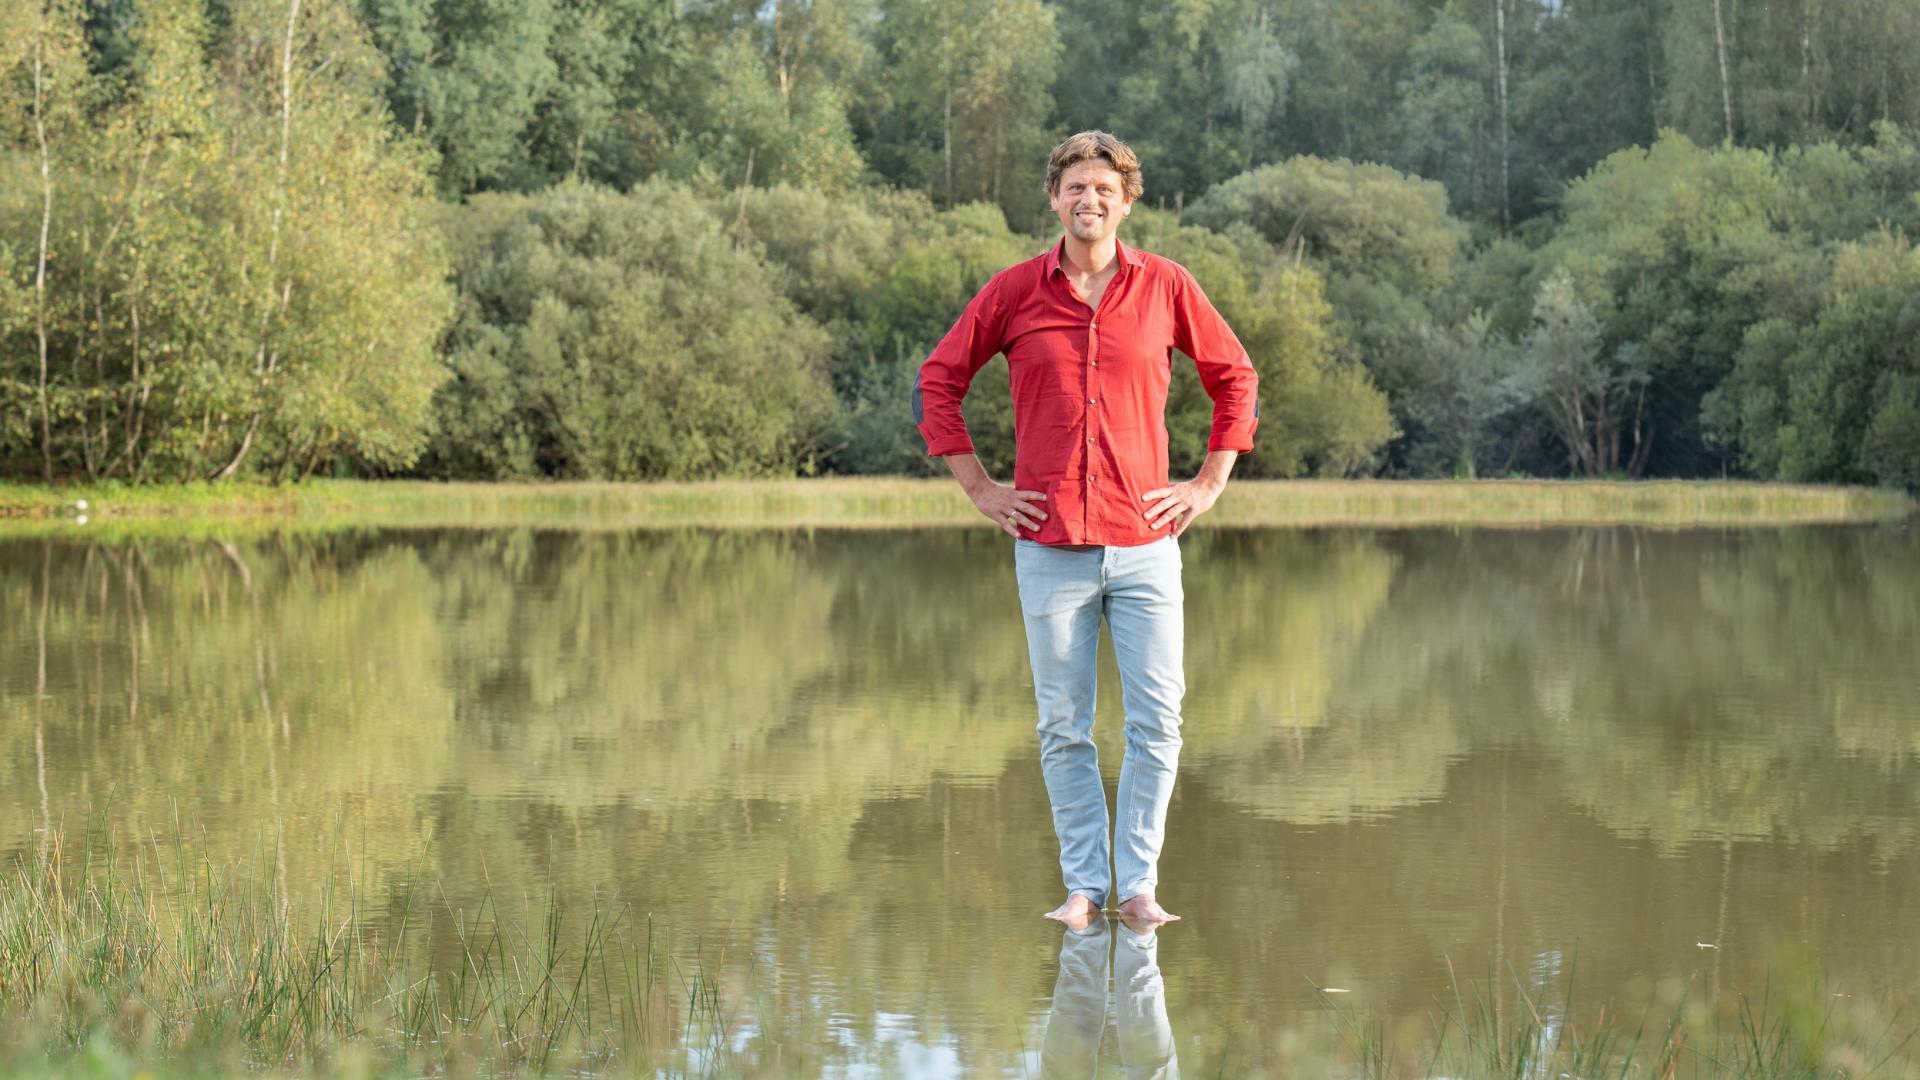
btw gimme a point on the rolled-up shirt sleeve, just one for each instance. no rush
(949, 370)
(1225, 369)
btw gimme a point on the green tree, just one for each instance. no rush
(885, 275)
(1797, 71)
(1676, 250)
(1441, 120)
(1595, 400)
(1586, 82)
(1891, 449)
(1832, 397)
(248, 286)
(466, 76)
(1321, 413)
(968, 100)
(1469, 385)
(1352, 217)
(162, 317)
(1199, 90)
(943, 263)
(1351, 56)
(622, 336)
(44, 105)
(762, 135)
(1384, 243)
(354, 295)
(618, 96)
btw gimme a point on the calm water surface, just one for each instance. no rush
(1640, 760)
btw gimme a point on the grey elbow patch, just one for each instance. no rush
(919, 409)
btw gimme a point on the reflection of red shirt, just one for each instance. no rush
(1089, 388)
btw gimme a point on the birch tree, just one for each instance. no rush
(1596, 403)
(45, 65)
(238, 277)
(970, 93)
(279, 288)
(1500, 97)
(1726, 82)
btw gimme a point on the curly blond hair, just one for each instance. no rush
(1095, 145)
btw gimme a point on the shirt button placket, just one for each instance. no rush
(1093, 401)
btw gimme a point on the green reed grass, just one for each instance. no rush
(882, 502)
(1810, 1033)
(116, 962)
(156, 960)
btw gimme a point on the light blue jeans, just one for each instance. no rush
(1078, 1019)
(1064, 594)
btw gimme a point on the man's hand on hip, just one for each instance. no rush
(1008, 508)
(1012, 510)
(1180, 503)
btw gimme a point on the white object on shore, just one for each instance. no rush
(80, 505)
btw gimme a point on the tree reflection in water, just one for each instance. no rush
(1406, 748)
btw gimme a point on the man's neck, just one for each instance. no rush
(1090, 259)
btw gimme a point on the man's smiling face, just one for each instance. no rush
(1091, 201)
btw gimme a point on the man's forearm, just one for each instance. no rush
(1011, 510)
(1214, 470)
(967, 469)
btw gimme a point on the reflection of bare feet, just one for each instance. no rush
(1078, 912)
(1140, 913)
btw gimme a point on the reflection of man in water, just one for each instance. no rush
(1089, 328)
(1079, 1016)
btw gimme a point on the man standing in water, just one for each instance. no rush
(1088, 329)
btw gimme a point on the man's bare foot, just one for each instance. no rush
(1141, 911)
(1078, 912)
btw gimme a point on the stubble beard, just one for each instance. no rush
(1088, 232)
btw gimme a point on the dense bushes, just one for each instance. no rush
(609, 336)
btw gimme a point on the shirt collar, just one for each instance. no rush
(1126, 255)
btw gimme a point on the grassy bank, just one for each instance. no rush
(907, 503)
(163, 963)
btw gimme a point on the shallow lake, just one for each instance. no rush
(1421, 767)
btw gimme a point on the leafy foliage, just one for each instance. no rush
(610, 336)
(1832, 396)
(1435, 225)
(240, 274)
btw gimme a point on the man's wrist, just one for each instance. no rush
(971, 475)
(1215, 470)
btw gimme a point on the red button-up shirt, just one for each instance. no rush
(1090, 387)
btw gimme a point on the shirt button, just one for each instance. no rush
(1090, 401)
